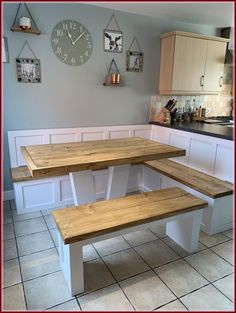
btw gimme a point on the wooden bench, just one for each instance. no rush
(21, 173)
(218, 216)
(82, 225)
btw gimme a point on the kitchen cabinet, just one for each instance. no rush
(191, 63)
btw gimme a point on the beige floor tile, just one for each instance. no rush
(50, 221)
(13, 298)
(159, 230)
(8, 232)
(96, 275)
(54, 234)
(146, 291)
(27, 227)
(89, 253)
(39, 263)
(229, 233)
(108, 299)
(25, 216)
(179, 249)
(213, 240)
(173, 306)
(34, 243)
(156, 253)
(11, 273)
(47, 291)
(7, 217)
(71, 305)
(49, 211)
(207, 299)
(9, 249)
(226, 285)
(225, 250)
(139, 237)
(125, 264)
(210, 265)
(180, 277)
(111, 245)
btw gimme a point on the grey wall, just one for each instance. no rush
(74, 96)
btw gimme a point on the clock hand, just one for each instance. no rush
(74, 42)
(70, 36)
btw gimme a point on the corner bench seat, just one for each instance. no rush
(218, 216)
(204, 183)
(85, 224)
(21, 173)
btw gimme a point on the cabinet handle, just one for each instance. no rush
(221, 81)
(202, 81)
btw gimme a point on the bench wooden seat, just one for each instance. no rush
(82, 225)
(21, 173)
(205, 184)
(218, 216)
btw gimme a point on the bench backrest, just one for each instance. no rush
(103, 217)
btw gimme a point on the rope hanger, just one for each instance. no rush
(24, 45)
(113, 17)
(135, 40)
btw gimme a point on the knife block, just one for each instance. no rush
(163, 116)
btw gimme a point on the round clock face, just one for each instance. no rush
(71, 42)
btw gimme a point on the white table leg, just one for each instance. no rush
(82, 185)
(117, 181)
(71, 261)
(185, 230)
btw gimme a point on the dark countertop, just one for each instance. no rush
(213, 130)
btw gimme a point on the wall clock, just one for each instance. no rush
(71, 42)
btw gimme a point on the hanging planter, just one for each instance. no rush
(113, 77)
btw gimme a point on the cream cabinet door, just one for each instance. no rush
(214, 65)
(189, 64)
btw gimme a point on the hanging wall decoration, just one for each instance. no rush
(5, 51)
(113, 39)
(28, 70)
(134, 59)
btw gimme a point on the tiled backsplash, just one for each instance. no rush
(216, 105)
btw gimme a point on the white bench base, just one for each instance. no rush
(183, 229)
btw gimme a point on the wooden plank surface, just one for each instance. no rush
(60, 159)
(21, 173)
(103, 217)
(206, 184)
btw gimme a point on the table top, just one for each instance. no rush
(60, 159)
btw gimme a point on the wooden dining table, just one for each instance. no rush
(80, 159)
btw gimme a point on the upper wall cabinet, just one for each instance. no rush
(191, 63)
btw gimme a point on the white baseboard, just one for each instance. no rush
(144, 188)
(8, 195)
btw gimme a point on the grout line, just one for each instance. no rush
(115, 277)
(20, 270)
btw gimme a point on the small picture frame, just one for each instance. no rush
(5, 51)
(134, 61)
(28, 70)
(113, 40)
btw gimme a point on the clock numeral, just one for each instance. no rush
(72, 25)
(87, 37)
(89, 45)
(64, 26)
(72, 60)
(59, 32)
(81, 29)
(65, 57)
(55, 41)
(86, 53)
(58, 50)
(81, 59)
